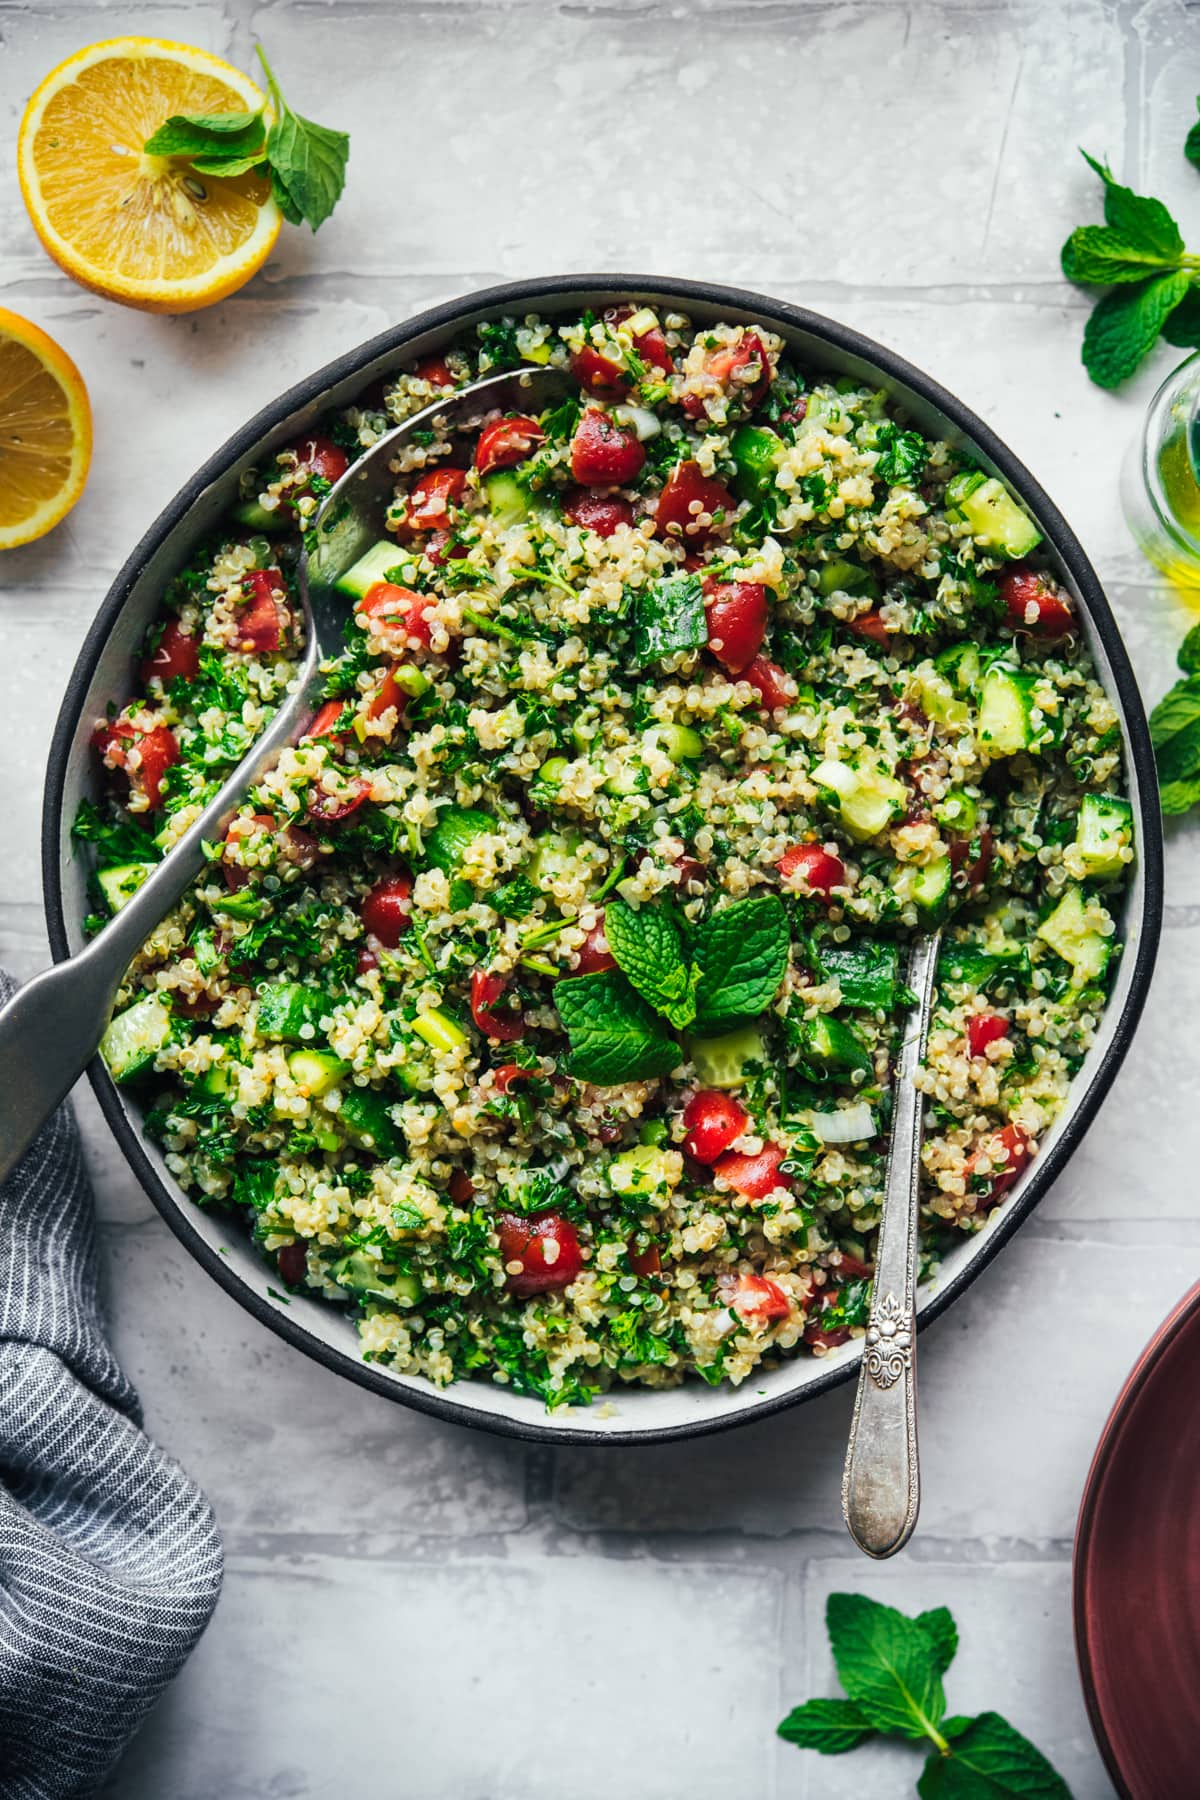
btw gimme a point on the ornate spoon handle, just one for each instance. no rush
(881, 1483)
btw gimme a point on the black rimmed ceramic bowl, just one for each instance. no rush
(104, 672)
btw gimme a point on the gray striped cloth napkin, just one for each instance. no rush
(110, 1560)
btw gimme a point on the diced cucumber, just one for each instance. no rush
(720, 1062)
(287, 1008)
(361, 1274)
(834, 1047)
(627, 774)
(641, 1170)
(843, 577)
(653, 1131)
(555, 859)
(215, 1081)
(957, 811)
(437, 1029)
(135, 1037)
(679, 742)
(543, 789)
(1072, 932)
(456, 830)
(256, 518)
(865, 798)
(757, 453)
(960, 664)
(316, 1071)
(373, 566)
(867, 974)
(122, 883)
(1104, 831)
(927, 885)
(996, 521)
(1007, 703)
(366, 1118)
(934, 694)
(508, 498)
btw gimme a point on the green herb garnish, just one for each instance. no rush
(305, 163)
(1175, 732)
(891, 1667)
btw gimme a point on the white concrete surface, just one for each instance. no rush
(445, 1616)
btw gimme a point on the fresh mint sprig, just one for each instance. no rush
(305, 162)
(891, 1667)
(1175, 732)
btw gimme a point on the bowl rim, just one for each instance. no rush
(549, 291)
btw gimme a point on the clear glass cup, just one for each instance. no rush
(1160, 480)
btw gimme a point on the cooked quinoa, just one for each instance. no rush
(539, 1006)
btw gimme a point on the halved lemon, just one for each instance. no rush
(145, 230)
(45, 432)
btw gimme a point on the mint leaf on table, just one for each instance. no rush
(1125, 326)
(1188, 654)
(742, 952)
(1099, 255)
(1191, 144)
(887, 1665)
(1182, 328)
(648, 946)
(1137, 216)
(991, 1761)
(1175, 735)
(830, 1726)
(668, 616)
(308, 162)
(942, 1632)
(615, 1036)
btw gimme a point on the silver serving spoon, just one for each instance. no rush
(881, 1483)
(52, 1027)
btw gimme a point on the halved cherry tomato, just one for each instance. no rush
(820, 871)
(773, 685)
(737, 621)
(400, 609)
(298, 846)
(599, 374)
(593, 954)
(322, 458)
(430, 499)
(436, 371)
(601, 513)
(503, 1023)
(1034, 602)
(650, 345)
(984, 1029)
(260, 625)
(507, 1076)
(688, 496)
(1008, 1150)
(754, 1176)
(759, 1300)
(175, 657)
(714, 1120)
(645, 1262)
(603, 453)
(506, 442)
(742, 369)
(331, 809)
(871, 626)
(852, 1268)
(292, 1263)
(386, 910)
(460, 1188)
(687, 870)
(149, 756)
(388, 695)
(324, 720)
(545, 1245)
(236, 874)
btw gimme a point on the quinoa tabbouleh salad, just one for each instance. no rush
(540, 1005)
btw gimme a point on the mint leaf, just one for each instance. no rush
(830, 1726)
(991, 1761)
(228, 166)
(1175, 731)
(1188, 655)
(742, 953)
(1137, 217)
(615, 1036)
(212, 135)
(939, 1627)
(1182, 325)
(1125, 325)
(308, 161)
(887, 1664)
(649, 949)
(1175, 797)
(1098, 254)
(668, 616)
(1191, 144)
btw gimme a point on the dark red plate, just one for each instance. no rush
(1137, 1571)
